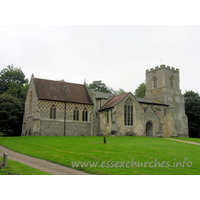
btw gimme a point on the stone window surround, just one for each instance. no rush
(76, 114)
(85, 114)
(128, 112)
(155, 82)
(53, 113)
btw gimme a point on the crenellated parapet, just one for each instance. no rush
(162, 67)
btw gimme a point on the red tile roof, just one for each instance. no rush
(113, 101)
(61, 91)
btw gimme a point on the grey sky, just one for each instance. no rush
(117, 55)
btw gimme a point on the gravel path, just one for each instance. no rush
(183, 141)
(42, 165)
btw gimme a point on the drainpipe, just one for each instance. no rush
(65, 119)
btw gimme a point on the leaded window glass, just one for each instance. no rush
(85, 115)
(76, 114)
(53, 112)
(128, 113)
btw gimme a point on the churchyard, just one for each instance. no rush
(123, 155)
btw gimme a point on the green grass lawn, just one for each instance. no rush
(64, 150)
(16, 168)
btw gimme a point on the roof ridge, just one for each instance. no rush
(115, 101)
(58, 81)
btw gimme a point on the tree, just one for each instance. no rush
(18, 91)
(140, 91)
(11, 75)
(192, 110)
(99, 86)
(13, 90)
(119, 91)
(11, 113)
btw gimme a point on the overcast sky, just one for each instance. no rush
(117, 55)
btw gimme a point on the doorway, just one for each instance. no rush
(149, 129)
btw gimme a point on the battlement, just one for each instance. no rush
(162, 67)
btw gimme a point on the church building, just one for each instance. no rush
(56, 108)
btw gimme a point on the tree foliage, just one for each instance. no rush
(119, 91)
(140, 91)
(11, 75)
(192, 110)
(11, 114)
(99, 86)
(13, 90)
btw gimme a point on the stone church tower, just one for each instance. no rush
(162, 84)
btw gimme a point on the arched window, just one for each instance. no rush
(53, 112)
(85, 115)
(155, 82)
(128, 113)
(171, 81)
(76, 114)
(30, 104)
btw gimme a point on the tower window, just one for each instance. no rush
(155, 82)
(172, 82)
(53, 112)
(128, 113)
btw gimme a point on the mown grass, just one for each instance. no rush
(64, 150)
(16, 168)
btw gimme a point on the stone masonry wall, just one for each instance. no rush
(56, 126)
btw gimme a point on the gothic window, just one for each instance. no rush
(53, 112)
(155, 82)
(85, 115)
(171, 81)
(107, 113)
(76, 114)
(30, 103)
(128, 113)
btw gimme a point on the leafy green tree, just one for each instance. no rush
(11, 75)
(99, 86)
(13, 90)
(18, 91)
(192, 110)
(140, 91)
(11, 113)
